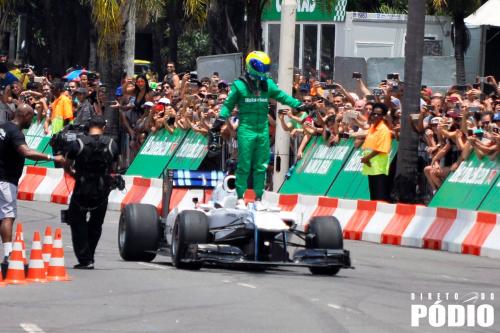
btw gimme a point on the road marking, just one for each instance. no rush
(31, 328)
(153, 265)
(339, 307)
(246, 285)
(335, 306)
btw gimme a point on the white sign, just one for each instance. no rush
(303, 6)
(452, 310)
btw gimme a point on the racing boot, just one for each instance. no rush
(259, 205)
(241, 204)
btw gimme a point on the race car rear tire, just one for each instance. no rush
(191, 227)
(138, 232)
(327, 234)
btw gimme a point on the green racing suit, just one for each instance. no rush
(253, 130)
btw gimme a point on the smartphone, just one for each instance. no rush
(483, 79)
(476, 85)
(331, 86)
(495, 130)
(393, 76)
(356, 75)
(474, 109)
(344, 135)
(193, 85)
(282, 111)
(370, 98)
(171, 121)
(378, 92)
(213, 96)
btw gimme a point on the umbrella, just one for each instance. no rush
(74, 74)
(487, 14)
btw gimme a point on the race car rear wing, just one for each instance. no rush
(187, 179)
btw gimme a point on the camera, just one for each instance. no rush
(393, 76)
(61, 142)
(356, 75)
(214, 144)
(331, 86)
(26, 69)
(378, 92)
(282, 111)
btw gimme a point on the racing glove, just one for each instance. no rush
(219, 122)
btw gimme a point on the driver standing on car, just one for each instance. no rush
(251, 93)
(93, 156)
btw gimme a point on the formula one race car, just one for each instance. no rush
(219, 233)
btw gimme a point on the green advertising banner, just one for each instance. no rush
(39, 141)
(319, 166)
(492, 201)
(308, 10)
(191, 152)
(155, 153)
(468, 185)
(351, 183)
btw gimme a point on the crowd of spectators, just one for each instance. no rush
(450, 124)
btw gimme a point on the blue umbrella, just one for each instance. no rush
(74, 74)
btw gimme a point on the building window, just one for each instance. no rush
(327, 51)
(273, 38)
(309, 54)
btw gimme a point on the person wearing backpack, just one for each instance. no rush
(89, 161)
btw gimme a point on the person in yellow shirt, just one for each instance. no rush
(61, 109)
(376, 149)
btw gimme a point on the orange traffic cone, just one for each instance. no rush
(36, 269)
(47, 247)
(15, 273)
(57, 271)
(19, 230)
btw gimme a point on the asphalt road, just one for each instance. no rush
(135, 297)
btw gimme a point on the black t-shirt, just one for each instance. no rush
(11, 161)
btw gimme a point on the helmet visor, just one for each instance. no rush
(259, 66)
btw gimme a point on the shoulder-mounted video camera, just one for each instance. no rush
(61, 141)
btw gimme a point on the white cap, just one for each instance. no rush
(150, 104)
(164, 100)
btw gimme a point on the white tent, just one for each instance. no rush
(487, 14)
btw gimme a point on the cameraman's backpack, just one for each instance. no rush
(93, 164)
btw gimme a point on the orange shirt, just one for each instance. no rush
(62, 108)
(379, 138)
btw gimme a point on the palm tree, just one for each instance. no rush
(458, 10)
(115, 22)
(406, 167)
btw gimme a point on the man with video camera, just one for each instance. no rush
(89, 161)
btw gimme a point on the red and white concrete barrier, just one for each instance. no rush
(454, 230)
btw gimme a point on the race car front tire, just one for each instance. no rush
(326, 234)
(138, 232)
(191, 227)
